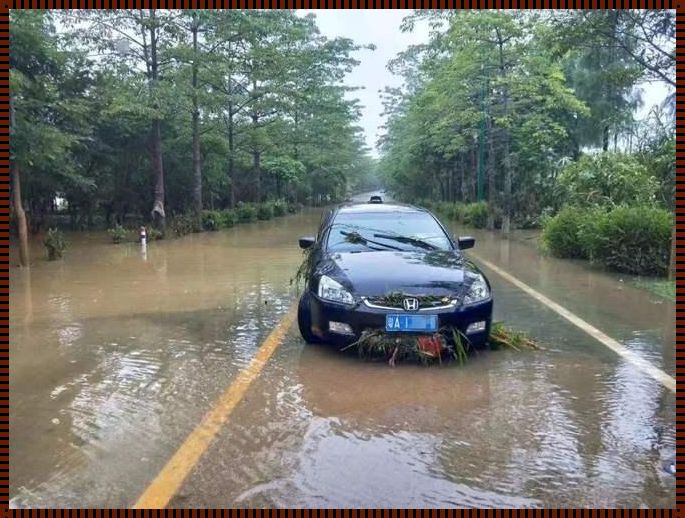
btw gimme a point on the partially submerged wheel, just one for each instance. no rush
(304, 319)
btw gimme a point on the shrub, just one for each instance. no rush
(561, 234)
(445, 208)
(607, 179)
(626, 239)
(294, 207)
(633, 240)
(458, 210)
(55, 243)
(154, 234)
(183, 224)
(246, 212)
(265, 211)
(280, 208)
(211, 220)
(475, 214)
(426, 204)
(118, 233)
(228, 218)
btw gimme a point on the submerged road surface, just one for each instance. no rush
(117, 358)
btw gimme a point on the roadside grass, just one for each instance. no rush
(663, 288)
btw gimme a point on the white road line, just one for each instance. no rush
(639, 362)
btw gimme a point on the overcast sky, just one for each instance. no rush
(382, 28)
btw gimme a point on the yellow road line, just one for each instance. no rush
(169, 480)
(639, 362)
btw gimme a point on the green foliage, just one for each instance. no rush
(118, 233)
(246, 212)
(607, 179)
(154, 234)
(265, 211)
(183, 224)
(663, 288)
(633, 240)
(626, 239)
(211, 220)
(55, 244)
(280, 208)
(228, 218)
(475, 214)
(294, 207)
(376, 344)
(659, 160)
(502, 336)
(272, 120)
(518, 96)
(562, 233)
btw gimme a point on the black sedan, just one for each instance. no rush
(391, 267)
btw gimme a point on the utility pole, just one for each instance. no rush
(481, 143)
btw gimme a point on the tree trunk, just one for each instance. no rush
(20, 215)
(506, 217)
(492, 194)
(506, 159)
(256, 162)
(464, 190)
(231, 142)
(158, 215)
(673, 266)
(231, 147)
(197, 167)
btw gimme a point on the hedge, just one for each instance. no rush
(634, 240)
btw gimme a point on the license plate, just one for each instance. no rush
(411, 323)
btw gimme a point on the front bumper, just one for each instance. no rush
(361, 317)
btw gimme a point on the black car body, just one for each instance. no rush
(370, 262)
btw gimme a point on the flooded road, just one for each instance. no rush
(116, 356)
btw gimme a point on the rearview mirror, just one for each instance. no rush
(466, 242)
(306, 242)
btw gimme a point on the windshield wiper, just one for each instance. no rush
(357, 238)
(408, 239)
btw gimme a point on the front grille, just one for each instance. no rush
(425, 301)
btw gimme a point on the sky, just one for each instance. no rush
(382, 28)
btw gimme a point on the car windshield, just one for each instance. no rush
(351, 232)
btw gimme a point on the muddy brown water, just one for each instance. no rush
(116, 355)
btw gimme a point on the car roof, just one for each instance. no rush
(360, 208)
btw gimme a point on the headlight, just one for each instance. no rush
(334, 291)
(478, 291)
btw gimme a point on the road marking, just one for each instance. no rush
(169, 480)
(639, 362)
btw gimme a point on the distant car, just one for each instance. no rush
(392, 267)
(375, 199)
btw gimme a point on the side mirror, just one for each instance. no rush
(466, 242)
(307, 242)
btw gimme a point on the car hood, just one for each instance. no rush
(412, 273)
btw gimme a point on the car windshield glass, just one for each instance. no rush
(352, 232)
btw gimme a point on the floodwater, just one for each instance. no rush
(117, 354)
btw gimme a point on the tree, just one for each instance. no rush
(129, 38)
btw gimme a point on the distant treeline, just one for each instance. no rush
(156, 113)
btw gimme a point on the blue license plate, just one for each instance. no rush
(411, 323)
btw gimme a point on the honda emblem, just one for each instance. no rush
(411, 304)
